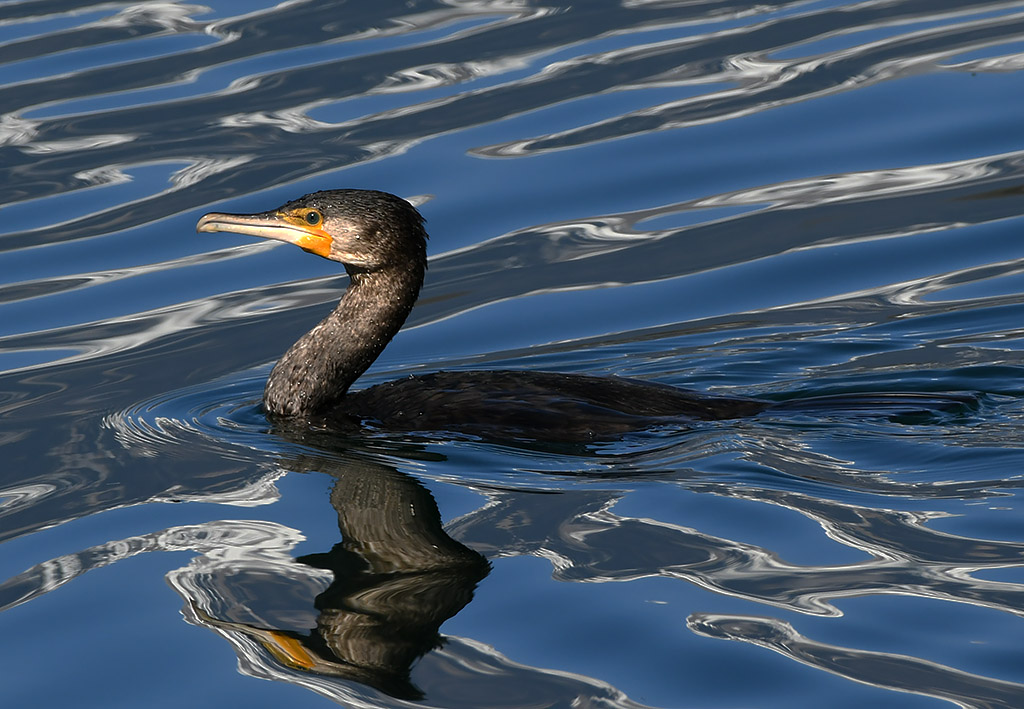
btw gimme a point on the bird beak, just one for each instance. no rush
(271, 225)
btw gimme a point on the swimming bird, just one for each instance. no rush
(381, 241)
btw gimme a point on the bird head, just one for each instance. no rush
(363, 229)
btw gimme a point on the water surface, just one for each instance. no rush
(784, 200)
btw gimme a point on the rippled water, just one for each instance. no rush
(781, 200)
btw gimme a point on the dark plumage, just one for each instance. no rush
(380, 240)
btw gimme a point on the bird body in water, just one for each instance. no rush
(380, 240)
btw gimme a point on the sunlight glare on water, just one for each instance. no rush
(782, 201)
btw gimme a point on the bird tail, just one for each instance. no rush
(883, 403)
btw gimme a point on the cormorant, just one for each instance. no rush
(380, 240)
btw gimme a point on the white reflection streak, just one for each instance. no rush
(226, 541)
(171, 16)
(887, 670)
(1009, 63)
(296, 120)
(215, 28)
(932, 579)
(118, 173)
(72, 145)
(292, 120)
(262, 491)
(914, 292)
(863, 185)
(25, 495)
(753, 573)
(435, 75)
(92, 278)
(202, 169)
(907, 293)
(15, 130)
(753, 75)
(104, 176)
(157, 323)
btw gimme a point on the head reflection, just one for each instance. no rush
(397, 576)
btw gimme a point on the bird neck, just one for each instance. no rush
(313, 376)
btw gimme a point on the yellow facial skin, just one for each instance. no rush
(302, 227)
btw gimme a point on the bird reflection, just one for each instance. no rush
(397, 577)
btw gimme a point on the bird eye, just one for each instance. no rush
(313, 217)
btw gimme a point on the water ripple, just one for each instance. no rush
(782, 200)
(881, 669)
(225, 418)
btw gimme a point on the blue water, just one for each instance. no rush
(779, 200)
